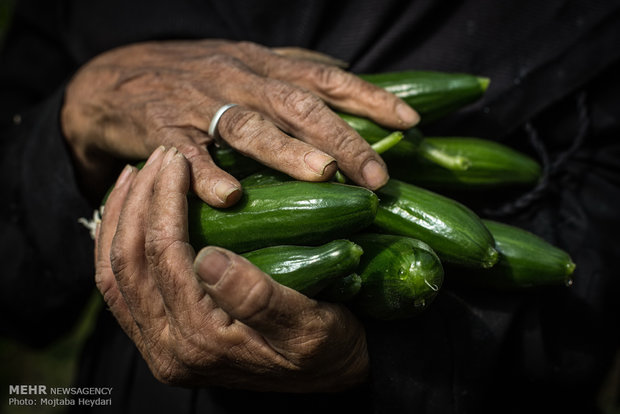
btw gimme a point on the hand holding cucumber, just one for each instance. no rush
(128, 101)
(213, 318)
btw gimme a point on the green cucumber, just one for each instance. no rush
(401, 276)
(491, 165)
(294, 212)
(410, 148)
(525, 261)
(266, 176)
(343, 289)
(452, 230)
(432, 94)
(307, 269)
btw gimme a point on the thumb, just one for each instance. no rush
(249, 295)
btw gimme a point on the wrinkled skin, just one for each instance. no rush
(214, 318)
(126, 102)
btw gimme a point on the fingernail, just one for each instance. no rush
(211, 264)
(170, 154)
(318, 162)
(122, 178)
(224, 190)
(374, 174)
(406, 114)
(155, 155)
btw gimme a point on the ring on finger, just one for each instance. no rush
(213, 131)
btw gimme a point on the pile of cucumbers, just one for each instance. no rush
(385, 253)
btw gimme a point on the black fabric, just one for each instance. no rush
(553, 67)
(47, 254)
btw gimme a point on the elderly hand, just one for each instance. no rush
(214, 319)
(128, 101)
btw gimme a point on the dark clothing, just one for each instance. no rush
(554, 89)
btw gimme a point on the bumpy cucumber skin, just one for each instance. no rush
(401, 276)
(491, 165)
(452, 230)
(294, 212)
(307, 269)
(525, 261)
(432, 94)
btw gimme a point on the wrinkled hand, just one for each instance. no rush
(214, 319)
(128, 101)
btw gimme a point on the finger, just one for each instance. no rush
(347, 92)
(306, 117)
(212, 184)
(127, 250)
(253, 135)
(167, 246)
(340, 89)
(104, 277)
(250, 296)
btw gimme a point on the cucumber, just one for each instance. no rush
(452, 230)
(432, 94)
(412, 147)
(342, 289)
(401, 276)
(294, 212)
(307, 269)
(525, 261)
(491, 165)
(266, 176)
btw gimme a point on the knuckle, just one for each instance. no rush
(157, 250)
(118, 259)
(219, 61)
(105, 284)
(332, 80)
(251, 47)
(297, 103)
(191, 152)
(257, 300)
(197, 358)
(245, 51)
(345, 143)
(169, 372)
(320, 336)
(239, 125)
(196, 351)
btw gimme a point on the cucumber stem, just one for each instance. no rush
(339, 177)
(443, 158)
(484, 83)
(388, 142)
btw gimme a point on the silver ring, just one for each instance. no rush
(216, 119)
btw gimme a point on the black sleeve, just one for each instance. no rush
(46, 254)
